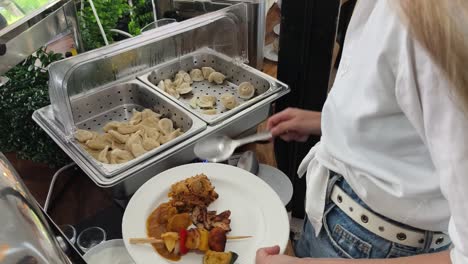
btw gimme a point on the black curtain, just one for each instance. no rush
(308, 32)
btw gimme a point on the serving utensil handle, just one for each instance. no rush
(259, 137)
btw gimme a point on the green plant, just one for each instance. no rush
(142, 15)
(109, 12)
(26, 92)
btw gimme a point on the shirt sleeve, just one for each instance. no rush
(432, 106)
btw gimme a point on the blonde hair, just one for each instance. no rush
(441, 27)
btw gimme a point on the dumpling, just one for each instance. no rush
(210, 112)
(246, 90)
(134, 138)
(150, 122)
(99, 142)
(118, 156)
(184, 76)
(119, 137)
(151, 132)
(161, 85)
(228, 100)
(150, 143)
(193, 102)
(166, 126)
(168, 84)
(111, 125)
(207, 71)
(103, 155)
(128, 129)
(177, 82)
(216, 77)
(94, 153)
(173, 92)
(171, 136)
(148, 113)
(117, 145)
(137, 150)
(207, 101)
(83, 135)
(184, 88)
(196, 75)
(136, 118)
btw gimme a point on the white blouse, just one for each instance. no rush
(392, 127)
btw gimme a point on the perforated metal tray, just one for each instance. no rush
(236, 73)
(91, 111)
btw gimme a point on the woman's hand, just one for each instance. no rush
(271, 255)
(294, 124)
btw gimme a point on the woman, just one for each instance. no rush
(389, 177)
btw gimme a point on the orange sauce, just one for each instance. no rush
(156, 225)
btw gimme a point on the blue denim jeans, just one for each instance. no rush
(342, 237)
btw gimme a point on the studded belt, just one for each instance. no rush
(382, 227)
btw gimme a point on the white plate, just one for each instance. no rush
(269, 53)
(256, 210)
(276, 29)
(278, 181)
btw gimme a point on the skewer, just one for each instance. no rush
(152, 240)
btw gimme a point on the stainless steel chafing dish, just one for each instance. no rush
(106, 84)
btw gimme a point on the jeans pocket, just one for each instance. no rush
(398, 251)
(348, 244)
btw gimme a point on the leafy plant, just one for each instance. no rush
(142, 15)
(109, 12)
(27, 91)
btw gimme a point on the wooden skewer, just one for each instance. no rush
(152, 240)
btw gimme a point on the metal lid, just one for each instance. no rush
(224, 31)
(25, 235)
(24, 29)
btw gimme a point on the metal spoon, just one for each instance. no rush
(220, 148)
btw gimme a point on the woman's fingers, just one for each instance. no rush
(279, 117)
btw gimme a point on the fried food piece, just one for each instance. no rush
(194, 191)
(179, 221)
(208, 220)
(213, 257)
(217, 239)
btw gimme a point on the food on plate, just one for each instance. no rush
(203, 218)
(228, 101)
(194, 191)
(246, 90)
(197, 75)
(124, 141)
(213, 257)
(207, 71)
(168, 226)
(216, 77)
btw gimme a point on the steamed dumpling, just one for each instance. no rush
(228, 100)
(118, 156)
(194, 102)
(197, 75)
(151, 132)
(99, 142)
(137, 150)
(210, 112)
(166, 126)
(171, 136)
(148, 113)
(136, 117)
(112, 125)
(83, 135)
(128, 129)
(119, 137)
(207, 101)
(135, 138)
(103, 155)
(246, 90)
(150, 143)
(173, 92)
(216, 77)
(184, 88)
(184, 76)
(207, 71)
